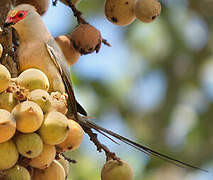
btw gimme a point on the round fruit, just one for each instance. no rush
(58, 102)
(7, 126)
(147, 10)
(32, 79)
(8, 101)
(8, 154)
(119, 170)
(54, 172)
(17, 173)
(40, 5)
(69, 51)
(1, 50)
(29, 145)
(55, 128)
(65, 164)
(45, 158)
(120, 12)
(5, 78)
(86, 39)
(28, 116)
(42, 98)
(74, 138)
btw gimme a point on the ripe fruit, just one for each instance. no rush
(33, 79)
(58, 102)
(5, 78)
(1, 50)
(45, 158)
(40, 5)
(8, 101)
(147, 10)
(28, 116)
(74, 138)
(7, 126)
(42, 98)
(65, 164)
(67, 48)
(29, 145)
(114, 169)
(54, 172)
(55, 128)
(17, 173)
(8, 154)
(120, 12)
(86, 39)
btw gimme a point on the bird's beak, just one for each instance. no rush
(8, 22)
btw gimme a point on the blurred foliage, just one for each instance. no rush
(164, 96)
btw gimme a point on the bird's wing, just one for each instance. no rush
(60, 62)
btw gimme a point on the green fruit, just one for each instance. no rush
(55, 128)
(17, 173)
(42, 98)
(28, 116)
(54, 172)
(45, 158)
(5, 78)
(32, 79)
(7, 101)
(29, 145)
(147, 10)
(7, 126)
(116, 170)
(120, 12)
(8, 155)
(65, 164)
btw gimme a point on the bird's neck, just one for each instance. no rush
(35, 31)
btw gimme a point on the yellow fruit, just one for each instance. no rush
(1, 50)
(5, 78)
(54, 172)
(69, 51)
(28, 116)
(65, 164)
(17, 173)
(7, 126)
(32, 79)
(147, 10)
(42, 98)
(120, 12)
(29, 145)
(40, 5)
(8, 155)
(115, 170)
(8, 101)
(58, 102)
(45, 158)
(55, 128)
(74, 138)
(86, 39)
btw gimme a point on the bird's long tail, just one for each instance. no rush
(84, 121)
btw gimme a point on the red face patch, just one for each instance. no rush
(19, 16)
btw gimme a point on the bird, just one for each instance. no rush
(38, 49)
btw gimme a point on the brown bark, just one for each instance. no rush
(8, 56)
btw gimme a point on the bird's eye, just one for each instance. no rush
(21, 15)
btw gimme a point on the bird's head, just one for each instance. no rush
(19, 15)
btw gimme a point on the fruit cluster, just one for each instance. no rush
(124, 12)
(34, 129)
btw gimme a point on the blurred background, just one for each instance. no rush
(154, 86)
